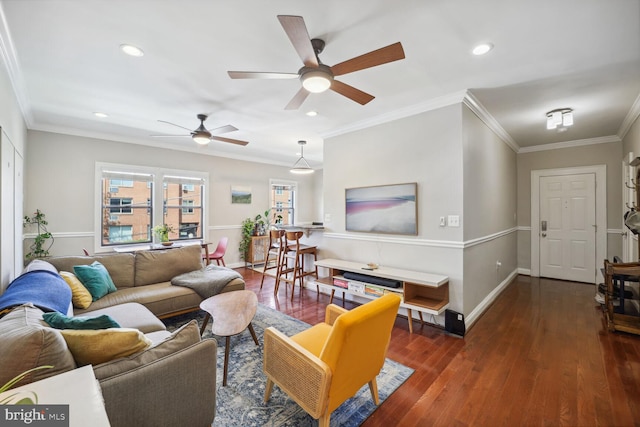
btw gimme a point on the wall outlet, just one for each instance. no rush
(454, 221)
(498, 265)
(327, 217)
(443, 221)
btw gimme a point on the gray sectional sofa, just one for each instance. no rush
(170, 383)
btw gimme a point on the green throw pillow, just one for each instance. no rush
(95, 278)
(60, 321)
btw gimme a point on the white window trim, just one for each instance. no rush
(157, 174)
(293, 184)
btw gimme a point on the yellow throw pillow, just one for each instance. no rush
(80, 296)
(92, 347)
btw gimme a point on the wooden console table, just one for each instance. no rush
(422, 292)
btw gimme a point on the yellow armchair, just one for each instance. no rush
(328, 363)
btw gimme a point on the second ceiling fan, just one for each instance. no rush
(317, 77)
(202, 135)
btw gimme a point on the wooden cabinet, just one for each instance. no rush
(621, 311)
(422, 292)
(258, 250)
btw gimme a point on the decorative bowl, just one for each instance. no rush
(167, 243)
(372, 265)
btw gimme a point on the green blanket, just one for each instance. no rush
(208, 281)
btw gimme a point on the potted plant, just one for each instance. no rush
(162, 232)
(248, 229)
(41, 244)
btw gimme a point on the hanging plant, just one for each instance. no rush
(43, 240)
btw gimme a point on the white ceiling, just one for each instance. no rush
(65, 63)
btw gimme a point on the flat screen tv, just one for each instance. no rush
(389, 209)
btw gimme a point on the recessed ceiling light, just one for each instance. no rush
(312, 113)
(101, 115)
(481, 49)
(131, 50)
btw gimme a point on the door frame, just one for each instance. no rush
(600, 172)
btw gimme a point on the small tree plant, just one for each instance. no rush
(43, 240)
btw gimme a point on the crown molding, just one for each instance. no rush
(12, 65)
(483, 114)
(631, 117)
(571, 144)
(412, 110)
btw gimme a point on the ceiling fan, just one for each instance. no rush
(202, 135)
(317, 77)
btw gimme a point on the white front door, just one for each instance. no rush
(568, 227)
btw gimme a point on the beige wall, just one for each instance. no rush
(462, 168)
(609, 154)
(489, 211)
(61, 168)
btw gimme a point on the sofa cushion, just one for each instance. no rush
(38, 264)
(26, 342)
(95, 278)
(131, 315)
(99, 346)
(119, 265)
(80, 296)
(182, 338)
(164, 265)
(60, 321)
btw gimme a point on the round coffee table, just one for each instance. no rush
(232, 313)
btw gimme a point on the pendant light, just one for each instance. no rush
(301, 166)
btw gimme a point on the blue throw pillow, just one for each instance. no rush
(60, 321)
(95, 278)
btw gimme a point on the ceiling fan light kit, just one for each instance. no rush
(316, 80)
(562, 117)
(301, 166)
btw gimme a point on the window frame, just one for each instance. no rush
(273, 203)
(157, 176)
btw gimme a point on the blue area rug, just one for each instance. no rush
(240, 402)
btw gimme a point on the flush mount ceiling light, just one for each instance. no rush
(301, 166)
(482, 49)
(131, 50)
(316, 80)
(562, 117)
(100, 114)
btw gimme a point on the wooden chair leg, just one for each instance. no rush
(267, 390)
(373, 387)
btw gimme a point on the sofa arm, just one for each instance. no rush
(176, 390)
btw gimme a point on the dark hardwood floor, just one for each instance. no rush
(539, 356)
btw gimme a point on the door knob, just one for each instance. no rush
(544, 234)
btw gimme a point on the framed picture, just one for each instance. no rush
(389, 209)
(240, 194)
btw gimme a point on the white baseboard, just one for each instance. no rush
(484, 305)
(524, 271)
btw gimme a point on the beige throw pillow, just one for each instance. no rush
(80, 296)
(180, 339)
(92, 347)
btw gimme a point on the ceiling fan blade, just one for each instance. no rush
(168, 136)
(296, 29)
(297, 99)
(351, 92)
(260, 75)
(223, 129)
(232, 141)
(381, 56)
(173, 124)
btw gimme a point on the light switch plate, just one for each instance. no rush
(453, 221)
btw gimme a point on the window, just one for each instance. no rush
(133, 200)
(283, 201)
(187, 210)
(122, 205)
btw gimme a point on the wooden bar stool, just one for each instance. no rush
(295, 251)
(276, 243)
